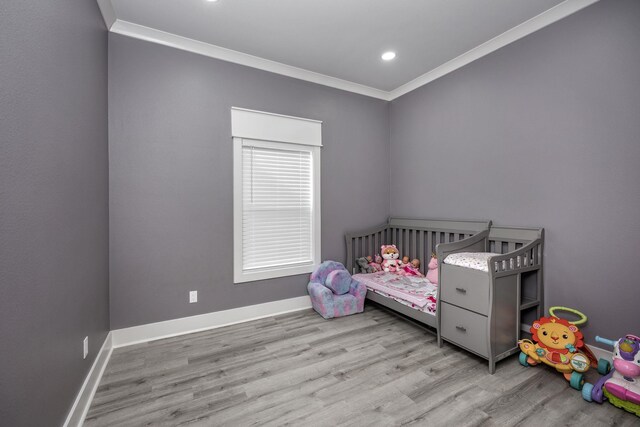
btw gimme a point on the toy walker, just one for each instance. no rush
(622, 385)
(558, 343)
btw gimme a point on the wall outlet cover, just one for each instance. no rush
(85, 347)
(193, 297)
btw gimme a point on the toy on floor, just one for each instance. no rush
(621, 386)
(558, 343)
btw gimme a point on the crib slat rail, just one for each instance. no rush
(415, 238)
(523, 249)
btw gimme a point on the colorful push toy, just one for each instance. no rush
(622, 385)
(558, 343)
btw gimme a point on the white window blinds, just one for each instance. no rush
(277, 206)
(276, 195)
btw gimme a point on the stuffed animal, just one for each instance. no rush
(365, 266)
(432, 274)
(390, 256)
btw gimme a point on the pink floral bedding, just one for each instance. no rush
(416, 292)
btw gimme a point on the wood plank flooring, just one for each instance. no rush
(371, 369)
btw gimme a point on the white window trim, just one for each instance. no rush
(273, 130)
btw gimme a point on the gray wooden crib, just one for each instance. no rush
(416, 238)
(479, 311)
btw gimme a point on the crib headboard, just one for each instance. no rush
(415, 238)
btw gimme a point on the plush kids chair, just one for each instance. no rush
(333, 292)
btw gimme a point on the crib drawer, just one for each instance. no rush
(465, 288)
(464, 328)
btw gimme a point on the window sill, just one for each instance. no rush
(244, 277)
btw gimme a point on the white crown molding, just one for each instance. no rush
(81, 405)
(141, 32)
(203, 322)
(161, 37)
(534, 24)
(108, 12)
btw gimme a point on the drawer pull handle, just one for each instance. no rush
(461, 328)
(461, 290)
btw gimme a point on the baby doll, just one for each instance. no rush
(376, 263)
(412, 268)
(405, 260)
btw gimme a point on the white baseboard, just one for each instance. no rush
(83, 400)
(217, 319)
(166, 329)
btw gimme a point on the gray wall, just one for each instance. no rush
(53, 204)
(545, 131)
(170, 152)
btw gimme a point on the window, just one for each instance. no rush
(276, 195)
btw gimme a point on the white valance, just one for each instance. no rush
(251, 124)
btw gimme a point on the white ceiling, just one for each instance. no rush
(339, 41)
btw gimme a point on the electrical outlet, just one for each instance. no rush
(193, 297)
(85, 347)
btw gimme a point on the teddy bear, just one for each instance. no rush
(390, 257)
(432, 274)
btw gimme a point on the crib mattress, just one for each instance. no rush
(476, 260)
(415, 292)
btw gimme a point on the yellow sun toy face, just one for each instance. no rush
(556, 334)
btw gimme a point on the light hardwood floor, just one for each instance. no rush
(299, 369)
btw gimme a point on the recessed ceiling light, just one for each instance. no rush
(388, 56)
(212, 1)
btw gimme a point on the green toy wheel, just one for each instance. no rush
(604, 366)
(582, 317)
(577, 380)
(586, 392)
(523, 359)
